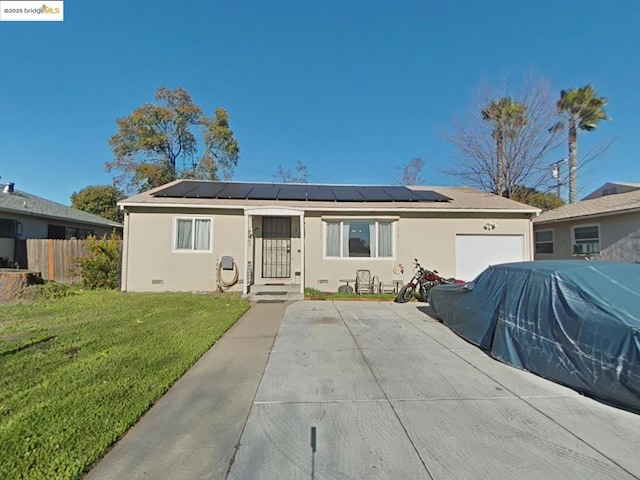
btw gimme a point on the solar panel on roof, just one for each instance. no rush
(179, 190)
(290, 192)
(347, 194)
(431, 196)
(375, 194)
(264, 192)
(320, 194)
(206, 190)
(401, 194)
(236, 190)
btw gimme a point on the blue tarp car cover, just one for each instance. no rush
(574, 322)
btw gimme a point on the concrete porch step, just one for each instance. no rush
(274, 291)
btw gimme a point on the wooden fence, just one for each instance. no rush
(55, 259)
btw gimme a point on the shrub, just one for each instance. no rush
(46, 291)
(101, 269)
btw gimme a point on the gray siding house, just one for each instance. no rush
(24, 216)
(605, 225)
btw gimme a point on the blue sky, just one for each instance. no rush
(353, 89)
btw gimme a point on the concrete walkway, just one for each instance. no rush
(194, 429)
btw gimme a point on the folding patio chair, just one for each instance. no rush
(364, 283)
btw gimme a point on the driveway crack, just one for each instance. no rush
(366, 361)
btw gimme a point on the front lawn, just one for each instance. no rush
(314, 294)
(77, 372)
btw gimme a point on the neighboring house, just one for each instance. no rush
(613, 188)
(314, 236)
(605, 225)
(24, 216)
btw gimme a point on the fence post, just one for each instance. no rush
(51, 261)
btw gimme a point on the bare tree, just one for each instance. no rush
(411, 173)
(299, 175)
(527, 151)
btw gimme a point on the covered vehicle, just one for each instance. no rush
(574, 322)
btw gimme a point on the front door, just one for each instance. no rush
(276, 247)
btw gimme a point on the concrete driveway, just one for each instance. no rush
(394, 394)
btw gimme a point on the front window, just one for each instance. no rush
(586, 240)
(79, 233)
(193, 234)
(544, 241)
(359, 238)
(8, 228)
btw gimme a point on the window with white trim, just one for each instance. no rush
(359, 239)
(192, 234)
(544, 241)
(586, 239)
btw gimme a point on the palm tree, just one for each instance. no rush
(583, 109)
(507, 116)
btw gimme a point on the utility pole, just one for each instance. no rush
(557, 175)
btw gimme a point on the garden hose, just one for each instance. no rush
(222, 284)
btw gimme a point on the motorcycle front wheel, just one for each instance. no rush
(405, 293)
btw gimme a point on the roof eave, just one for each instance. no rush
(588, 216)
(57, 217)
(532, 211)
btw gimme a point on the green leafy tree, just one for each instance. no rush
(507, 117)
(411, 173)
(101, 200)
(543, 200)
(159, 142)
(299, 175)
(583, 109)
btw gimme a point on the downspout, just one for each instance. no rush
(125, 252)
(245, 265)
(532, 241)
(302, 253)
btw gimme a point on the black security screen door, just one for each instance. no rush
(276, 247)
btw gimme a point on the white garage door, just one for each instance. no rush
(474, 253)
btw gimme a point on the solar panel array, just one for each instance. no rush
(284, 191)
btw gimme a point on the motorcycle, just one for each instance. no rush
(423, 281)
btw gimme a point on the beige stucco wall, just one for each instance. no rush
(151, 264)
(149, 254)
(619, 237)
(429, 238)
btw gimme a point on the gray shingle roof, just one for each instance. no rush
(618, 203)
(462, 198)
(24, 203)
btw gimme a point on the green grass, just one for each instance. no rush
(77, 372)
(315, 294)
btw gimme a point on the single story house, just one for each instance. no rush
(24, 216)
(605, 225)
(176, 236)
